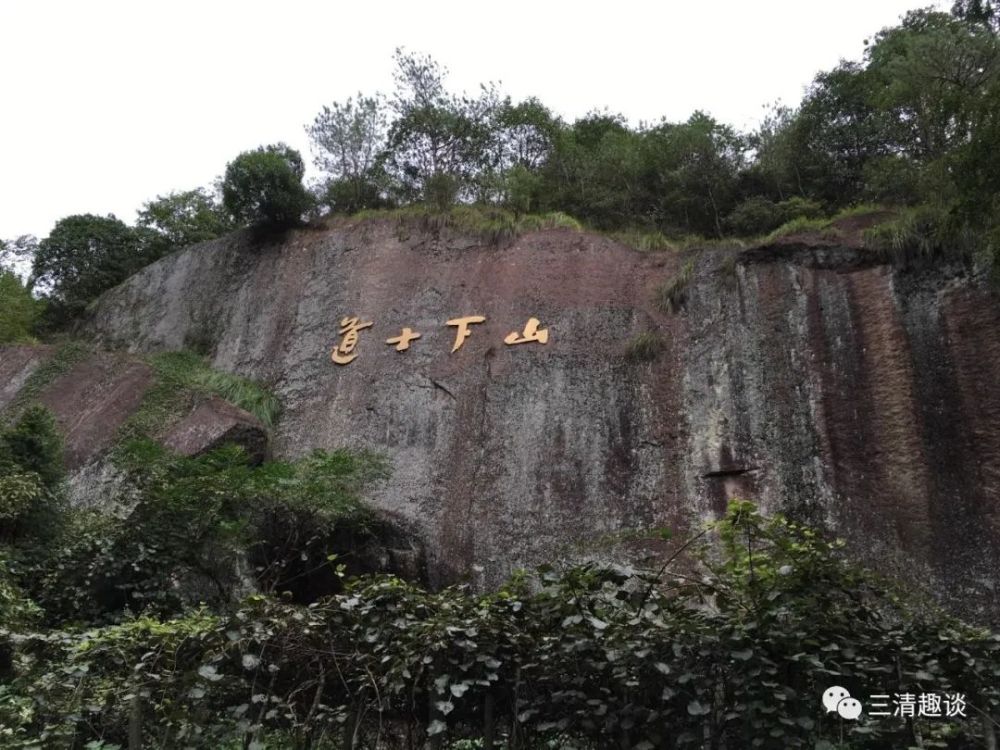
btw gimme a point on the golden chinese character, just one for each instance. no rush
(343, 353)
(531, 333)
(463, 331)
(402, 341)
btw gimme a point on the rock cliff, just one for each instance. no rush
(807, 374)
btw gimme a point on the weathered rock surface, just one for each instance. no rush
(16, 365)
(806, 376)
(90, 399)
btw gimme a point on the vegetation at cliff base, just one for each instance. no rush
(732, 648)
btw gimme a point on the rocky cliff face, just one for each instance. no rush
(805, 375)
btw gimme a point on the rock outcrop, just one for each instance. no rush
(213, 423)
(807, 375)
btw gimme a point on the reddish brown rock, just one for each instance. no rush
(93, 400)
(809, 375)
(214, 422)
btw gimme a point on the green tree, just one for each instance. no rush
(595, 172)
(31, 472)
(930, 74)
(264, 187)
(524, 139)
(82, 257)
(982, 12)
(437, 133)
(34, 445)
(180, 219)
(19, 310)
(348, 141)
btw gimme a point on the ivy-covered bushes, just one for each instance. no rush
(188, 528)
(30, 473)
(733, 650)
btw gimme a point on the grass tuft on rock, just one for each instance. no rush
(181, 379)
(643, 347)
(494, 226)
(672, 295)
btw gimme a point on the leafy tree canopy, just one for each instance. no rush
(184, 218)
(264, 187)
(83, 256)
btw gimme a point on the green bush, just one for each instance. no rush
(188, 525)
(34, 445)
(922, 233)
(263, 188)
(19, 310)
(735, 644)
(441, 191)
(350, 195)
(31, 473)
(758, 215)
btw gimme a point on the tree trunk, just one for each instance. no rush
(489, 720)
(135, 722)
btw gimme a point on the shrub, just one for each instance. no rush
(797, 206)
(19, 310)
(441, 191)
(350, 195)
(34, 445)
(191, 524)
(644, 347)
(672, 295)
(758, 215)
(31, 472)
(922, 233)
(264, 188)
(588, 657)
(755, 215)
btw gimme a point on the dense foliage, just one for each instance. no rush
(19, 310)
(733, 650)
(913, 122)
(264, 187)
(84, 256)
(30, 473)
(183, 218)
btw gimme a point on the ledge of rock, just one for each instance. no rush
(214, 422)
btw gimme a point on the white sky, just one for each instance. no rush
(108, 104)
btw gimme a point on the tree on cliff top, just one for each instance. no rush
(348, 140)
(264, 187)
(82, 257)
(179, 219)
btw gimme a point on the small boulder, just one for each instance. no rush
(214, 422)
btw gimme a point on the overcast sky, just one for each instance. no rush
(107, 104)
